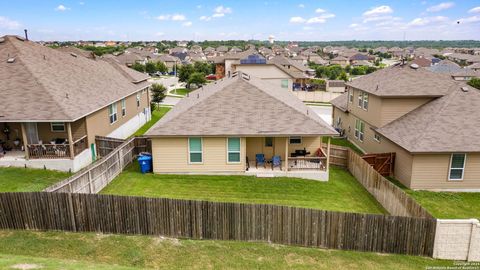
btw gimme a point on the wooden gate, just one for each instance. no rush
(383, 163)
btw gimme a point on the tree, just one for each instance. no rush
(197, 78)
(371, 69)
(139, 67)
(343, 76)
(158, 92)
(184, 72)
(348, 68)
(150, 67)
(320, 71)
(474, 82)
(160, 66)
(204, 67)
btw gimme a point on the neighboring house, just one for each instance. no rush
(76, 51)
(128, 59)
(361, 63)
(335, 86)
(55, 103)
(361, 57)
(465, 74)
(475, 66)
(445, 67)
(421, 61)
(171, 62)
(429, 120)
(224, 65)
(340, 60)
(221, 128)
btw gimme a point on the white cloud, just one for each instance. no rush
(222, 9)
(297, 20)
(472, 19)
(319, 10)
(163, 17)
(380, 18)
(353, 25)
(440, 7)
(205, 18)
(81, 3)
(187, 24)
(378, 11)
(427, 20)
(172, 17)
(6, 23)
(307, 28)
(178, 17)
(320, 19)
(301, 5)
(159, 34)
(62, 8)
(218, 15)
(474, 10)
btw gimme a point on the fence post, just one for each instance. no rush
(120, 159)
(90, 184)
(72, 213)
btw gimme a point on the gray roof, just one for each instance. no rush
(44, 84)
(445, 67)
(446, 124)
(340, 102)
(400, 81)
(241, 107)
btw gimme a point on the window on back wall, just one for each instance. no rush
(268, 141)
(457, 166)
(376, 137)
(360, 99)
(233, 145)
(195, 150)
(295, 140)
(124, 107)
(350, 98)
(112, 112)
(359, 130)
(284, 83)
(57, 126)
(365, 101)
(138, 100)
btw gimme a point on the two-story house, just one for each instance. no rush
(429, 120)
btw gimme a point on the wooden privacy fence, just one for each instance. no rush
(105, 145)
(383, 163)
(218, 221)
(338, 155)
(98, 175)
(391, 197)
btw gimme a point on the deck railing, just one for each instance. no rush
(307, 163)
(80, 145)
(48, 151)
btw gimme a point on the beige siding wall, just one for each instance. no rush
(395, 108)
(98, 123)
(256, 145)
(170, 155)
(268, 73)
(372, 115)
(430, 171)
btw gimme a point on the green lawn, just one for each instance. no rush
(59, 250)
(156, 115)
(343, 142)
(181, 91)
(23, 180)
(341, 193)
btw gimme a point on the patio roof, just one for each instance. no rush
(241, 106)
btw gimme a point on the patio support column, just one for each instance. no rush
(25, 140)
(286, 154)
(328, 154)
(70, 140)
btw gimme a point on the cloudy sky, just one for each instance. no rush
(241, 19)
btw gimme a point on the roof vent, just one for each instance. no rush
(73, 54)
(2, 39)
(414, 66)
(465, 89)
(11, 60)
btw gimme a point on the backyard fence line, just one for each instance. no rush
(96, 176)
(338, 155)
(390, 196)
(105, 145)
(217, 221)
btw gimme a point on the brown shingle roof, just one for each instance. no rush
(404, 81)
(240, 107)
(340, 102)
(44, 84)
(446, 124)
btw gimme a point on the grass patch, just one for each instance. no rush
(14, 179)
(343, 142)
(159, 253)
(156, 115)
(341, 193)
(181, 91)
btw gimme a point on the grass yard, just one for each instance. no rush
(156, 115)
(181, 91)
(24, 180)
(343, 142)
(341, 193)
(59, 250)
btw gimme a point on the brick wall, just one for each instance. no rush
(457, 239)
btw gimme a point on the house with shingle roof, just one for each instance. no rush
(229, 126)
(429, 120)
(54, 103)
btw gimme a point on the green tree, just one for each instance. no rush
(160, 66)
(184, 72)
(197, 78)
(139, 67)
(371, 69)
(348, 68)
(158, 93)
(320, 71)
(474, 82)
(343, 76)
(150, 67)
(204, 67)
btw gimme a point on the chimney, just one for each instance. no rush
(26, 34)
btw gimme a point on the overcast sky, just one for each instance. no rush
(241, 19)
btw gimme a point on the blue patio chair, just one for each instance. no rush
(260, 160)
(276, 162)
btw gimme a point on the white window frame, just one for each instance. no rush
(365, 101)
(138, 100)
(295, 137)
(124, 107)
(451, 168)
(362, 131)
(377, 137)
(112, 111)
(350, 93)
(359, 132)
(360, 99)
(189, 151)
(233, 152)
(57, 124)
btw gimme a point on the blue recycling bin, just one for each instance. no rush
(145, 162)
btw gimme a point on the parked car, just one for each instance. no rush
(211, 77)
